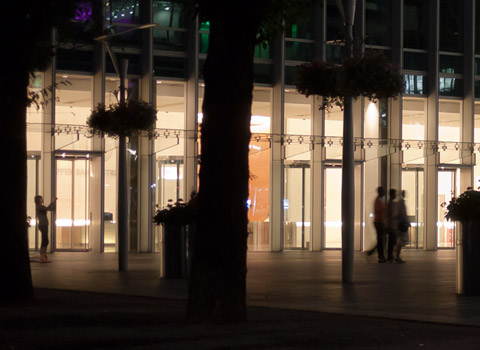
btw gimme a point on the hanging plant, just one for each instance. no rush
(371, 76)
(122, 119)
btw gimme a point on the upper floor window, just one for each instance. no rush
(451, 26)
(415, 24)
(378, 22)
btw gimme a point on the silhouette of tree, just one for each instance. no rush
(217, 284)
(29, 47)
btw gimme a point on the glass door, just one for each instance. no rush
(296, 204)
(333, 207)
(72, 213)
(33, 173)
(169, 188)
(413, 185)
(446, 191)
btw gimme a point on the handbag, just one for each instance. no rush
(403, 226)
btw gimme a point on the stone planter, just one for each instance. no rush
(175, 251)
(468, 257)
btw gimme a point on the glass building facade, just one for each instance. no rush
(424, 142)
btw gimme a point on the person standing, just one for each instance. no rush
(403, 225)
(392, 223)
(379, 221)
(41, 212)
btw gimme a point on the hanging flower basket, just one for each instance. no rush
(371, 76)
(122, 119)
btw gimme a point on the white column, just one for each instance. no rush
(431, 176)
(97, 182)
(48, 174)
(145, 145)
(276, 167)
(191, 102)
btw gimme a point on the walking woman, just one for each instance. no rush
(41, 212)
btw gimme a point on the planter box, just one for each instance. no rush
(468, 257)
(175, 252)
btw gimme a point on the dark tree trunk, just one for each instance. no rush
(217, 284)
(15, 266)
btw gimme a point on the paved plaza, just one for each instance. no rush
(295, 301)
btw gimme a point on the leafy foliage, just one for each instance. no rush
(371, 76)
(464, 207)
(39, 98)
(179, 213)
(122, 119)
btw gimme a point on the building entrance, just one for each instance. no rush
(413, 185)
(446, 191)
(78, 185)
(333, 205)
(297, 205)
(169, 188)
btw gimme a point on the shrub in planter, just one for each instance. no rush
(122, 119)
(466, 209)
(175, 218)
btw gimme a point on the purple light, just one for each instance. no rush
(83, 11)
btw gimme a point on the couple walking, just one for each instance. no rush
(391, 219)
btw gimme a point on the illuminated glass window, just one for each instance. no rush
(450, 86)
(171, 33)
(415, 84)
(72, 108)
(120, 14)
(204, 36)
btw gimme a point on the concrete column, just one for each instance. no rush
(395, 156)
(431, 166)
(395, 110)
(317, 155)
(191, 145)
(468, 122)
(145, 144)
(48, 173)
(97, 183)
(371, 171)
(317, 177)
(276, 170)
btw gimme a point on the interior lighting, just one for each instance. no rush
(303, 223)
(333, 224)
